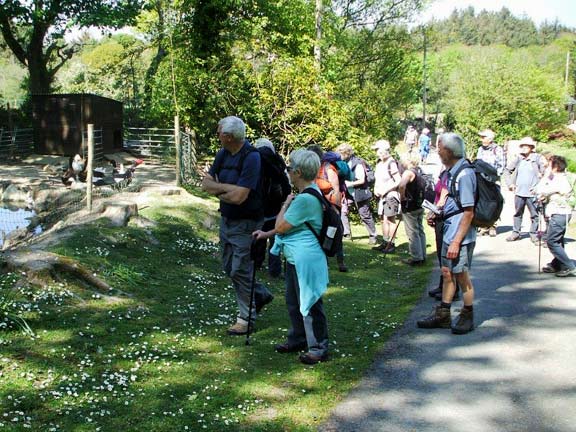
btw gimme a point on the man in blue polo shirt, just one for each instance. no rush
(235, 178)
(459, 239)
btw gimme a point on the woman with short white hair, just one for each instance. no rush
(306, 264)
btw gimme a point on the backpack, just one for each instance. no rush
(274, 185)
(423, 190)
(429, 186)
(332, 231)
(370, 176)
(344, 172)
(488, 202)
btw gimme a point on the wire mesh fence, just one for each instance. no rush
(39, 202)
(16, 142)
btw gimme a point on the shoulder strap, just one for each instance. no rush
(452, 193)
(390, 162)
(323, 202)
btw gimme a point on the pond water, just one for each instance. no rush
(13, 218)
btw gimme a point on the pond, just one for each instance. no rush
(13, 218)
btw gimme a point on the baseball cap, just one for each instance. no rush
(488, 133)
(381, 145)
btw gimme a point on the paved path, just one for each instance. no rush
(515, 372)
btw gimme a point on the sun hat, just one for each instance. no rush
(488, 133)
(527, 141)
(381, 145)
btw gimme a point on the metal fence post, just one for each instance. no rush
(178, 151)
(89, 166)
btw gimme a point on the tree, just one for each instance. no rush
(34, 31)
(510, 93)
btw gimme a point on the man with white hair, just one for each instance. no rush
(525, 172)
(235, 179)
(459, 239)
(493, 154)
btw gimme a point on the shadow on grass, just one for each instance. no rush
(160, 360)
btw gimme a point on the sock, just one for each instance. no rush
(445, 305)
(469, 308)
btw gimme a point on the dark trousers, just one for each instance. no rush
(520, 203)
(555, 240)
(263, 246)
(365, 212)
(311, 329)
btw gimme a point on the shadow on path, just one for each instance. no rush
(515, 372)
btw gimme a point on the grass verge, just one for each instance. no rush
(159, 358)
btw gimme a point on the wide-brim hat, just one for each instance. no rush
(488, 133)
(527, 141)
(381, 145)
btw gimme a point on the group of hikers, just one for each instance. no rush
(259, 213)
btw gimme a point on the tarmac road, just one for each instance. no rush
(515, 372)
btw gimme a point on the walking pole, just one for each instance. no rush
(252, 288)
(539, 209)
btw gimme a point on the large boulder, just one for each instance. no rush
(14, 194)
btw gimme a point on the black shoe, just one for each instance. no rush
(434, 292)
(464, 323)
(311, 359)
(439, 318)
(413, 262)
(549, 268)
(262, 301)
(287, 348)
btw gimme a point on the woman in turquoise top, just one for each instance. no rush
(306, 266)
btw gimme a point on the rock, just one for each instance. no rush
(142, 222)
(14, 194)
(15, 237)
(120, 213)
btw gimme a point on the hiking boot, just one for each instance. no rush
(413, 262)
(566, 273)
(434, 292)
(380, 247)
(549, 268)
(312, 359)
(482, 232)
(513, 237)
(287, 348)
(464, 323)
(262, 301)
(492, 232)
(439, 318)
(391, 248)
(239, 329)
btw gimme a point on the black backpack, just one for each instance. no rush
(274, 185)
(423, 189)
(332, 232)
(370, 176)
(274, 181)
(488, 202)
(428, 187)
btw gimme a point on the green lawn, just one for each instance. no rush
(159, 358)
